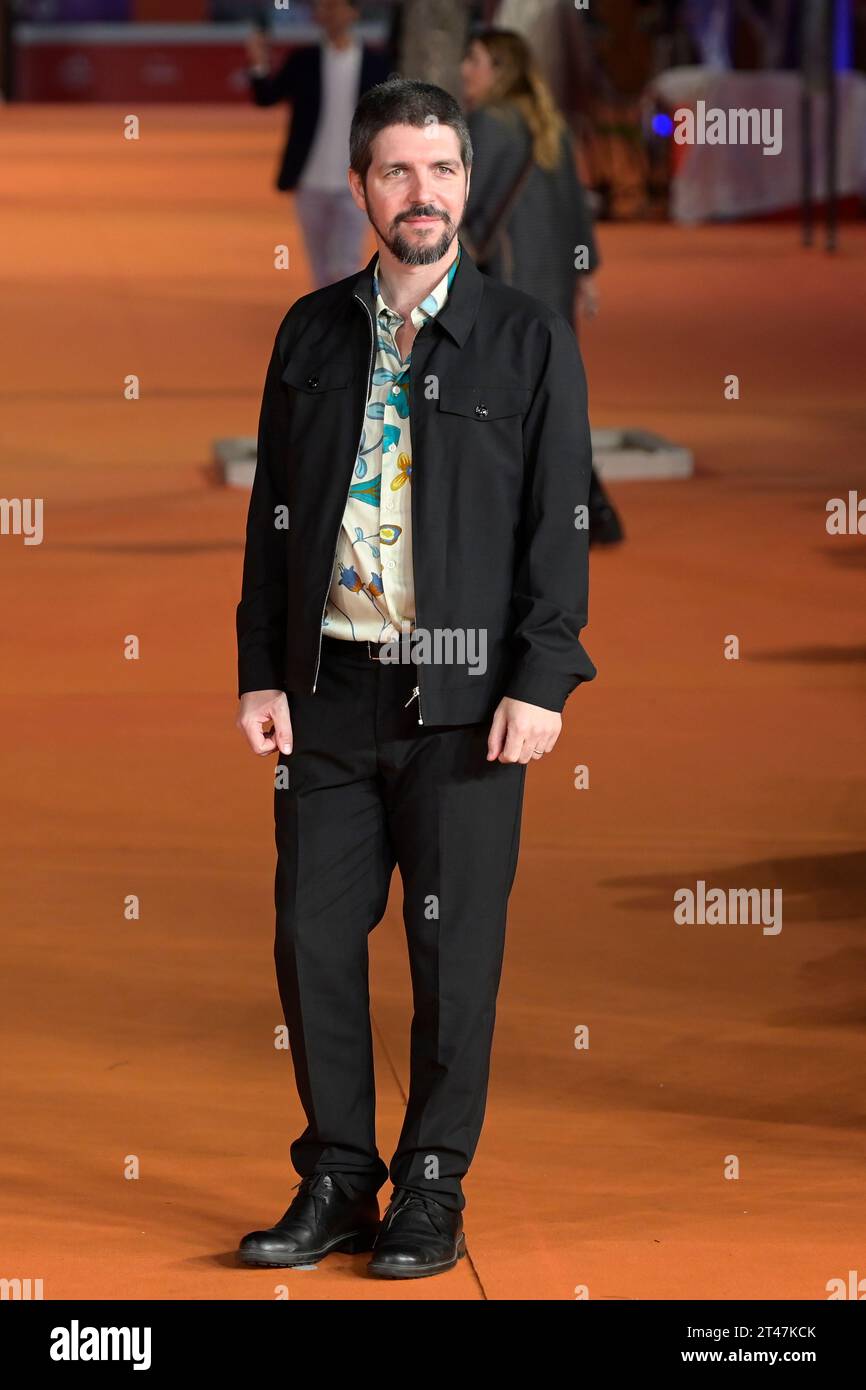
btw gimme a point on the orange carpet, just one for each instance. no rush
(146, 1046)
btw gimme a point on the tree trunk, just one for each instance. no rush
(432, 41)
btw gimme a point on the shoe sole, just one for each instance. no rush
(355, 1243)
(386, 1271)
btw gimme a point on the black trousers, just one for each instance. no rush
(369, 788)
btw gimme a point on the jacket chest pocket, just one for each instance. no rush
(481, 432)
(484, 404)
(317, 392)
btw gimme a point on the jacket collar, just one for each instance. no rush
(460, 309)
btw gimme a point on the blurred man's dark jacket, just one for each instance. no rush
(298, 81)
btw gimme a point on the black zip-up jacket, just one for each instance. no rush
(501, 462)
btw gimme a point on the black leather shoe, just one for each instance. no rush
(328, 1214)
(418, 1236)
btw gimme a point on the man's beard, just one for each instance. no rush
(424, 253)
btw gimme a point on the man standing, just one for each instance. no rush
(415, 582)
(322, 82)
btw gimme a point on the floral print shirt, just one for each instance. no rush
(372, 592)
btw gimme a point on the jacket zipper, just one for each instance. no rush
(416, 693)
(357, 452)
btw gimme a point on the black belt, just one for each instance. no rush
(361, 652)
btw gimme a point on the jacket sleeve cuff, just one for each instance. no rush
(258, 673)
(548, 689)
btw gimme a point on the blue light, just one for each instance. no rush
(843, 37)
(662, 124)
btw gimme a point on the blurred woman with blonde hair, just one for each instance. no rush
(527, 220)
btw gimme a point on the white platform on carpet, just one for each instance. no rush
(618, 455)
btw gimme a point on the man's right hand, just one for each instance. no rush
(585, 297)
(259, 709)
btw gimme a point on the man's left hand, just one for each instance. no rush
(585, 297)
(521, 732)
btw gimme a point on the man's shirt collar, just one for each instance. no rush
(429, 306)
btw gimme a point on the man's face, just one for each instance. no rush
(415, 191)
(334, 16)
